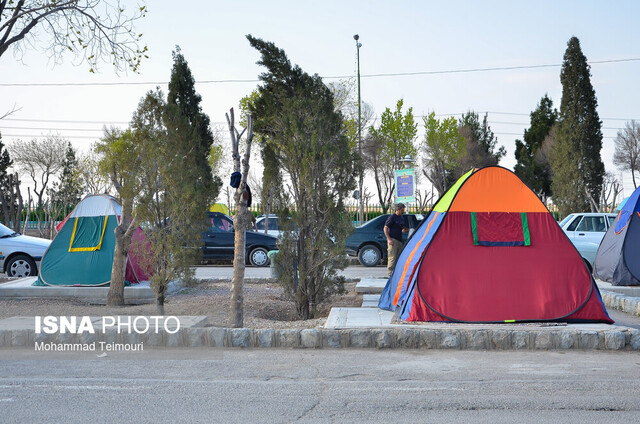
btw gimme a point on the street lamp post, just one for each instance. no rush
(361, 176)
(407, 161)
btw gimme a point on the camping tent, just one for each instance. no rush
(219, 207)
(82, 252)
(617, 258)
(490, 251)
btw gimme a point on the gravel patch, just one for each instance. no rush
(265, 305)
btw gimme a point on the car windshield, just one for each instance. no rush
(564, 221)
(6, 232)
(373, 221)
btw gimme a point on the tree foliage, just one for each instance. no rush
(182, 94)
(627, 153)
(271, 194)
(480, 143)
(296, 116)
(576, 162)
(443, 149)
(386, 146)
(532, 167)
(92, 30)
(10, 195)
(121, 161)
(157, 167)
(67, 191)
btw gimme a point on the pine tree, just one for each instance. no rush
(576, 162)
(534, 172)
(296, 115)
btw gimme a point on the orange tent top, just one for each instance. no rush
(474, 195)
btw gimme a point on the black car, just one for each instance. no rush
(369, 243)
(219, 242)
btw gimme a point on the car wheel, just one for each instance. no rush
(21, 266)
(258, 257)
(369, 255)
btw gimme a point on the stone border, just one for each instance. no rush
(551, 338)
(627, 304)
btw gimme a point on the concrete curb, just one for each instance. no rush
(482, 338)
(627, 304)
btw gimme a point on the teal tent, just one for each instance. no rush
(82, 252)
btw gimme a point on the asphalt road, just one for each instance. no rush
(323, 386)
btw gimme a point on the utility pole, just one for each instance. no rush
(361, 173)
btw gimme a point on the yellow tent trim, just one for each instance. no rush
(219, 207)
(87, 249)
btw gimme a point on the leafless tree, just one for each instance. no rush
(424, 200)
(627, 153)
(346, 101)
(383, 171)
(611, 188)
(240, 219)
(13, 110)
(93, 30)
(94, 181)
(40, 159)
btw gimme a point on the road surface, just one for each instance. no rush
(322, 386)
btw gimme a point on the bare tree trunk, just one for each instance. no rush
(26, 220)
(361, 196)
(123, 233)
(268, 211)
(240, 219)
(160, 304)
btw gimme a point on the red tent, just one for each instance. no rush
(490, 251)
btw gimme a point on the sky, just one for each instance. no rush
(435, 41)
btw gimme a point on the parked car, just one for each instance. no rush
(20, 255)
(271, 222)
(219, 241)
(369, 243)
(586, 230)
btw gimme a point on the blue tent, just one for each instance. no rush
(617, 258)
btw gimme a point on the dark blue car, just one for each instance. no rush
(219, 241)
(369, 243)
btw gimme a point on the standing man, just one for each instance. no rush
(393, 229)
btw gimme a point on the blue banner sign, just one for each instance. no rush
(405, 185)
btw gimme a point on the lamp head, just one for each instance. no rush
(356, 37)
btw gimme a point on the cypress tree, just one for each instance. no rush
(182, 95)
(576, 162)
(534, 173)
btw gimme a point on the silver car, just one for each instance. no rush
(20, 255)
(586, 230)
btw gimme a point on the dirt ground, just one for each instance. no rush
(265, 306)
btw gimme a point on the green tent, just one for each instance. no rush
(82, 252)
